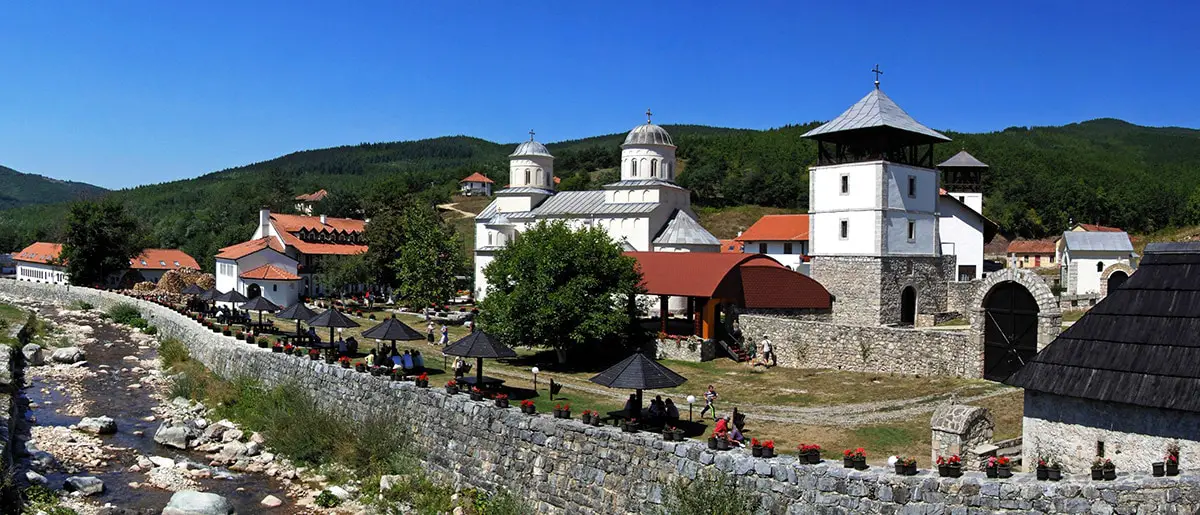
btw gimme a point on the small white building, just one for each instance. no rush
(259, 267)
(645, 210)
(782, 237)
(306, 202)
(153, 263)
(1086, 256)
(40, 263)
(476, 184)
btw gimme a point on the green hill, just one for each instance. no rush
(1103, 171)
(24, 189)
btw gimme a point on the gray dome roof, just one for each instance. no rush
(531, 148)
(649, 134)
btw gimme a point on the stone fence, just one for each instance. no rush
(563, 466)
(806, 344)
(10, 384)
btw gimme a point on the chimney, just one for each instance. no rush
(264, 222)
(323, 220)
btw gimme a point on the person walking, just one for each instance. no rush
(768, 352)
(445, 335)
(710, 398)
(429, 332)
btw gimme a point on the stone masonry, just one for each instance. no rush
(562, 466)
(867, 290)
(960, 429)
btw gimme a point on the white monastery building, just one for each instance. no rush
(782, 237)
(40, 263)
(284, 256)
(1090, 259)
(645, 210)
(961, 224)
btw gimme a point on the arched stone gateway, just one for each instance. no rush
(908, 306)
(1113, 277)
(253, 291)
(1016, 316)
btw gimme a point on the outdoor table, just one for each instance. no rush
(488, 382)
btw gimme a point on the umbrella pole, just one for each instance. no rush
(479, 372)
(639, 404)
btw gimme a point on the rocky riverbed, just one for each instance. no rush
(99, 426)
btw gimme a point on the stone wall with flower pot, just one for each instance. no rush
(807, 344)
(564, 466)
(682, 349)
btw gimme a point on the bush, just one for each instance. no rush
(503, 503)
(123, 313)
(80, 305)
(712, 496)
(150, 330)
(262, 340)
(327, 500)
(139, 323)
(172, 351)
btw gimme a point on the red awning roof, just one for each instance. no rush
(269, 273)
(163, 259)
(777, 228)
(40, 252)
(754, 279)
(477, 177)
(294, 223)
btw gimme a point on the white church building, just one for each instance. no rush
(645, 210)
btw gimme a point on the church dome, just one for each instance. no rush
(531, 148)
(649, 134)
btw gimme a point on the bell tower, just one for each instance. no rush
(962, 178)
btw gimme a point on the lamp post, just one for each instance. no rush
(535, 373)
(691, 400)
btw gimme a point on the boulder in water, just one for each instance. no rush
(33, 354)
(86, 485)
(34, 478)
(68, 355)
(271, 501)
(172, 436)
(97, 425)
(190, 502)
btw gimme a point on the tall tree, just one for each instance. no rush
(101, 238)
(415, 252)
(560, 288)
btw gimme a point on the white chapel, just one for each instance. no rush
(644, 211)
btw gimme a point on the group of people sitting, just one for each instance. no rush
(231, 316)
(659, 413)
(409, 360)
(730, 427)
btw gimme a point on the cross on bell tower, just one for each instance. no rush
(877, 73)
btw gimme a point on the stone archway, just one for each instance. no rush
(908, 306)
(1114, 275)
(1022, 313)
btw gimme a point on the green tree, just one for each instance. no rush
(559, 288)
(415, 252)
(101, 238)
(342, 272)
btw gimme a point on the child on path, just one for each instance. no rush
(710, 397)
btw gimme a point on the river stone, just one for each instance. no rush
(160, 461)
(97, 425)
(190, 502)
(42, 461)
(172, 436)
(231, 435)
(339, 492)
(271, 501)
(67, 355)
(33, 354)
(34, 478)
(232, 451)
(86, 485)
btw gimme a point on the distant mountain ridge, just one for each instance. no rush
(22, 189)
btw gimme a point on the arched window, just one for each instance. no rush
(633, 167)
(489, 238)
(526, 176)
(654, 168)
(1099, 266)
(541, 177)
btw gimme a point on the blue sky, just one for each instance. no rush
(133, 92)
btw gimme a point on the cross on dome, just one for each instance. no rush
(530, 134)
(648, 115)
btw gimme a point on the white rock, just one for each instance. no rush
(67, 355)
(34, 478)
(197, 503)
(85, 485)
(172, 436)
(162, 461)
(98, 425)
(231, 435)
(33, 354)
(253, 448)
(339, 492)
(271, 501)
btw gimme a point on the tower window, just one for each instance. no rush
(654, 168)
(1099, 266)
(787, 247)
(762, 248)
(912, 230)
(633, 167)
(526, 176)
(845, 229)
(912, 186)
(845, 184)
(541, 176)
(962, 198)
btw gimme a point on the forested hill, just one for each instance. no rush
(22, 189)
(1103, 171)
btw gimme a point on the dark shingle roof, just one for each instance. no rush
(1140, 345)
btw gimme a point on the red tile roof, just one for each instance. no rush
(269, 273)
(294, 223)
(777, 228)
(315, 196)
(1098, 228)
(477, 177)
(334, 249)
(163, 259)
(246, 248)
(1031, 247)
(732, 246)
(757, 280)
(40, 252)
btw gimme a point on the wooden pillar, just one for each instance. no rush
(691, 312)
(708, 328)
(697, 315)
(662, 312)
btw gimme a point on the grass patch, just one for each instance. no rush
(124, 313)
(1073, 316)
(711, 496)
(953, 322)
(80, 305)
(727, 222)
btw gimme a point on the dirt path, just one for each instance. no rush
(452, 207)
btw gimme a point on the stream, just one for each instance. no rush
(115, 384)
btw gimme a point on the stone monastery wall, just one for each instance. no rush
(566, 467)
(806, 344)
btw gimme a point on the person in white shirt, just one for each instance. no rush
(768, 352)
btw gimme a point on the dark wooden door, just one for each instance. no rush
(1010, 330)
(908, 306)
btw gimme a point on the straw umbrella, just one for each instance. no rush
(332, 318)
(637, 372)
(260, 304)
(479, 345)
(297, 312)
(192, 290)
(392, 329)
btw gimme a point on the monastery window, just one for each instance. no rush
(845, 185)
(541, 177)
(1099, 266)
(912, 231)
(762, 248)
(633, 167)
(526, 176)
(912, 186)
(654, 168)
(490, 238)
(845, 229)
(787, 247)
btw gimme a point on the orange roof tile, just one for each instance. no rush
(1098, 228)
(477, 177)
(777, 228)
(731, 246)
(1031, 247)
(314, 196)
(293, 223)
(40, 252)
(163, 259)
(246, 248)
(269, 273)
(335, 249)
